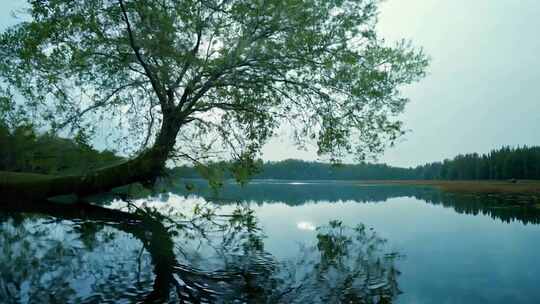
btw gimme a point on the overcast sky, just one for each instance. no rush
(483, 86)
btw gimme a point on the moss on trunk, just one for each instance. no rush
(31, 187)
(146, 167)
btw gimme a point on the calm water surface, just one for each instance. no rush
(275, 242)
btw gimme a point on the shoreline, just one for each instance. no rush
(470, 186)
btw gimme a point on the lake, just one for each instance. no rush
(273, 242)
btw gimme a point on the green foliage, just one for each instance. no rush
(227, 73)
(244, 170)
(22, 150)
(214, 173)
(505, 163)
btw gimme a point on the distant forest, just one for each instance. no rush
(22, 150)
(501, 164)
(505, 163)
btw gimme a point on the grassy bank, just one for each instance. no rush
(495, 187)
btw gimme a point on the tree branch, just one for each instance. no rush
(101, 103)
(189, 60)
(147, 69)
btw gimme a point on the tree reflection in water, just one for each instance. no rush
(54, 253)
(346, 265)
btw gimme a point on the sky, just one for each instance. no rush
(482, 90)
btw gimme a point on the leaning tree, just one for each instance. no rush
(197, 79)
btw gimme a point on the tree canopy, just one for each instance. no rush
(207, 79)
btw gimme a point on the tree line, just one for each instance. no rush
(504, 163)
(500, 164)
(294, 169)
(24, 150)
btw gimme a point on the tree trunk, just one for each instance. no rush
(146, 167)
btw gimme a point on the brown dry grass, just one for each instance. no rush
(520, 187)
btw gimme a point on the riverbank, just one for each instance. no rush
(495, 187)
